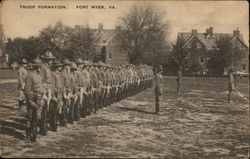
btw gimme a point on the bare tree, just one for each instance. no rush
(144, 34)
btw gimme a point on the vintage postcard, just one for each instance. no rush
(124, 79)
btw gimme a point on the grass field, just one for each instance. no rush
(8, 74)
(199, 124)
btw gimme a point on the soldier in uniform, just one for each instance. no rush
(57, 91)
(47, 81)
(109, 84)
(66, 91)
(22, 74)
(113, 83)
(93, 88)
(106, 85)
(179, 81)
(158, 88)
(98, 86)
(86, 102)
(81, 77)
(73, 109)
(102, 84)
(34, 91)
(231, 85)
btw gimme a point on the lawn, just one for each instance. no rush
(199, 124)
(8, 74)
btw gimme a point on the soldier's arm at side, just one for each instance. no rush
(20, 77)
(43, 74)
(27, 88)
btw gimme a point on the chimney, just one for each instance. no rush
(100, 27)
(194, 31)
(210, 31)
(236, 33)
(9, 40)
(118, 28)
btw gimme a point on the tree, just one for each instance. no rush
(67, 42)
(215, 65)
(15, 49)
(22, 48)
(179, 53)
(144, 35)
(53, 38)
(81, 44)
(227, 54)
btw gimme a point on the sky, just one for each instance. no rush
(183, 16)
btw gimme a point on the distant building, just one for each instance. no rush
(199, 45)
(109, 45)
(3, 55)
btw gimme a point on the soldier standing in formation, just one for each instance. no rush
(60, 93)
(57, 92)
(66, 91)
(22, 74)
(46, 76)
(34, 91)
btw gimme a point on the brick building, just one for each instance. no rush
(109, 45)
(199, 45)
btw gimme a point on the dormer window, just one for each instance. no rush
(198, 45)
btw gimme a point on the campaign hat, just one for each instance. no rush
(66, 62)
(24, 61)
(48, 55)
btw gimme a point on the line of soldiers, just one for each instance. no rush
(60, 93)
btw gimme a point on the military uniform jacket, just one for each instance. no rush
(158, 84)
(73, 81)
(66, 80)
(86, 77)
(46, 74)
(22, 74)
(80, 77)
(57, 82)
(33, 85)
(179, 76)
(93, 78)
(231, 81)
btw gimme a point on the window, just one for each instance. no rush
(188, 45)
(201, 59)
(198, 45)
(110, 55)
(244, 67)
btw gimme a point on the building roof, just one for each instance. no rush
(105, 35)
(208, 42)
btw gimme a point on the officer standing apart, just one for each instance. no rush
(231, 85)
(179, 81)
(22, 74)
(158, 88)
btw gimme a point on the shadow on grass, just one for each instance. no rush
(7, 107)
(136, 110)
(12, 128)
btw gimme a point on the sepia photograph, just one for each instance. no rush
(124, 79)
